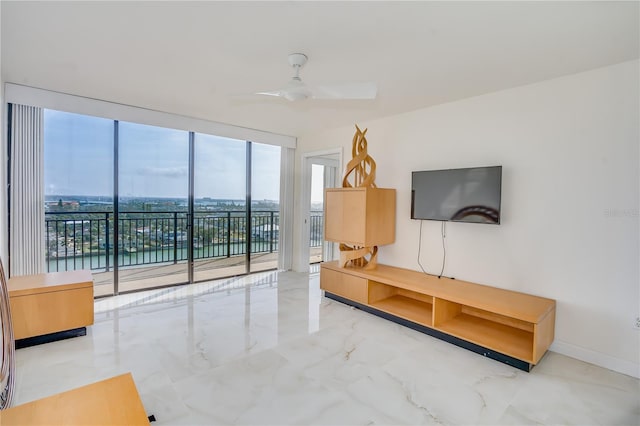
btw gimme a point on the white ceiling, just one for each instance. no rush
(202, 59)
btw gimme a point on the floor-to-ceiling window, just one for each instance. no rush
(78, 165)
(120, 194)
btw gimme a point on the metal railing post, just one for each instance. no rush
(271, 235)
(66, 246)
(228, 234)
(46, 235)
(175, 237)
(106, 247)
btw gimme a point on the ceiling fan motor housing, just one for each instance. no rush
(297, 59)
(296, 90)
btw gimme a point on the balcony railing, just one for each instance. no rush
(316, 236)
(85, 240)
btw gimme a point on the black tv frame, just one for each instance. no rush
(493, 215)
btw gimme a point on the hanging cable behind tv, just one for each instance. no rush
(444, 251)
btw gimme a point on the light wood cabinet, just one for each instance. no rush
(505, 325)
(363, 217)
(345, 285)
(49, 303)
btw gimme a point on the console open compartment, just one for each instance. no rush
(507, 335)
(407, 304)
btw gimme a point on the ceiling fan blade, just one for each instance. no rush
(270, 93)
(295, 91)
(354, 91)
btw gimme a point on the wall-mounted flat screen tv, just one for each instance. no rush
(458, 195)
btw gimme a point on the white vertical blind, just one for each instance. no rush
(26, 193)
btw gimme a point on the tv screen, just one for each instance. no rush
(459, 195)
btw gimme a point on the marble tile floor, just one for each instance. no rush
(268, 349)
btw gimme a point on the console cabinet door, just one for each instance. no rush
(345, 285)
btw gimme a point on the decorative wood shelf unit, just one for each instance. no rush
(360, 216)
(505, 325)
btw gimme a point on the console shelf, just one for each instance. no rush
(509, 326)
(407, 308)
(502, 338)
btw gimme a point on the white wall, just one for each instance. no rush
(569, 148)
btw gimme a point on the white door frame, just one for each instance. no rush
(331, 179)
(308, 159)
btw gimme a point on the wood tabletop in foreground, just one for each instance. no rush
(113, 401)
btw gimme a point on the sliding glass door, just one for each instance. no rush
(220, 213)
(153, 193)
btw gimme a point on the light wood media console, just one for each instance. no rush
(511, 327)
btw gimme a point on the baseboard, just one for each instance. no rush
(602, 360)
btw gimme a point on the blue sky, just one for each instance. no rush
(153, 161)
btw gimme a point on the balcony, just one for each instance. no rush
(153, 246)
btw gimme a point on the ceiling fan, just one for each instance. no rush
(297, 90)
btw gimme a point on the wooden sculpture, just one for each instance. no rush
(361, 169)
(360, 173)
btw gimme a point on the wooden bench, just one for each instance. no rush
(51, 306)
